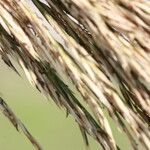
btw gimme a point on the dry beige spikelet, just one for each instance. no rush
(102, 46)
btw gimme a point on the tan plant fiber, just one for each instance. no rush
(102, 47)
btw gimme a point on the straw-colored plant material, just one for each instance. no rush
(101, 46)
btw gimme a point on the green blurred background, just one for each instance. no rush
(43, 119)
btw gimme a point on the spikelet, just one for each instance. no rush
(102, 47)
